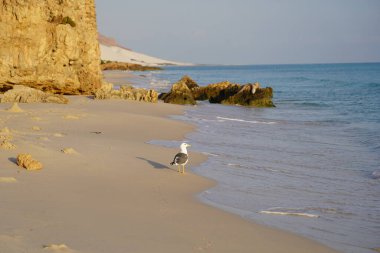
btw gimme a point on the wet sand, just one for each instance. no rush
(104, 189)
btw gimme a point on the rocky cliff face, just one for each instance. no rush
(50, 45)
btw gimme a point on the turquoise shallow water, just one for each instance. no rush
(309, 165)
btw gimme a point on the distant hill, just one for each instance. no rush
(109, 42)
(111, 50)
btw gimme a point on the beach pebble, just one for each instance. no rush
(5, 130)
(36, 118)
(71, 117)
(8, 180)
(44, 138)
(26, 161)
(57, 247)
(36, 128)
(15, 108)
(5, 134)
(5, 144)
(69, 151)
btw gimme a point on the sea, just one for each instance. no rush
(310, 165)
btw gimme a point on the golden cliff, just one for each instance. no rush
(50, 45)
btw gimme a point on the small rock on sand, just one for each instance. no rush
(15, 108)
(26, 161)
(36, 128)
(69, 151)
(5, 144)
(57, 247)
(8, 180)
(5, 130)
(5, 134)
(69, 116)
(36, 118)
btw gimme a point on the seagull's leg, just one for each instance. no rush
(179, 168)
(183, 169)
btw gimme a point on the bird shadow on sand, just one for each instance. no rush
(154, 164)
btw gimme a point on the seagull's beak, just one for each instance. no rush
(188, 145)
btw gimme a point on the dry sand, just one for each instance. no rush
(118, 193)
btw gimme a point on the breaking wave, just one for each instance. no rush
(246, 121)
(291, 212)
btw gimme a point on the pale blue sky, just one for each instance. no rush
(246, 31)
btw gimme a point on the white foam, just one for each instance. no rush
(291, 213)
(209, 154)
(376, 174)
(159, 83)
(246, 121)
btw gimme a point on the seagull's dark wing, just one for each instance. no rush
(179, 159)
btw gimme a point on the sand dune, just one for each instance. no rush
(115, 53)
(111, 50)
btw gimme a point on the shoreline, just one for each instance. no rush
(117, 194)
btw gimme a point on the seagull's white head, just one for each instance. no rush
(183, 147)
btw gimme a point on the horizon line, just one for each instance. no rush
(264, 64)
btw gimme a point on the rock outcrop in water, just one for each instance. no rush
(186, 91)
(216, 92)
(180, 93)
(251, 95)
(190, 83)
(49, 45)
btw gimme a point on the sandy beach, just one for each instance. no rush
(104, 189)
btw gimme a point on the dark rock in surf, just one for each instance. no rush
(216, 92)
(252, 95)
(190, 83)
(179, 94)
(187, 91)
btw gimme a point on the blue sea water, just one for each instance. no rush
(309, 165)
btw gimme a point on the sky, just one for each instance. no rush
(246, 31)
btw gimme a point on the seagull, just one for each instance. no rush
(181, 158)
(255, 86)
